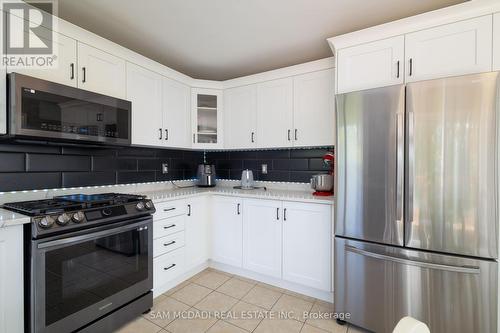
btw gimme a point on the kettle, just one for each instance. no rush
(247, 179)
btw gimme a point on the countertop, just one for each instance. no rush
(164, 191)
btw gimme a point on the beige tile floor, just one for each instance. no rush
(246, 301)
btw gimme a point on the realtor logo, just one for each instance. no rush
(28, 34)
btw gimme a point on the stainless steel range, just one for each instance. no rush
(89, 264)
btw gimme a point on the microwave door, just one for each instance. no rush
(370, 165)
(451, 195)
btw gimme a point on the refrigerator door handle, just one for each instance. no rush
(399, 166)
(423, 264)
(411, 163)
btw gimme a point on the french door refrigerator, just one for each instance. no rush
(416, 223)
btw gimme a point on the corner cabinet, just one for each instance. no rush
(206, 118)
(227, 231)
(453, 49)
(11, 279)
(197, 232)
(176, 99)
(375, 64)
(496, 42)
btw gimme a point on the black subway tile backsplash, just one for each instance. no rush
(32, 166)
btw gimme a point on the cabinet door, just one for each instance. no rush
(240, 105)
(370, 65)
(206, 118)
(307, 236)
(196, 233)
(176, 114)
(11, 279)
(262, 236)
(227, 231)
(64, 71)
(496, 42)
(100, 71)
(275, 113)
(314, 109)
(144, 91)
(453, 49)
(3, 97)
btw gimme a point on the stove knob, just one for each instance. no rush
(63, 219)
(140, 205)
(78, 217)
(149, 205)
(46, 222)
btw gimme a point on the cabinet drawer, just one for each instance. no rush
(168, 243)
(168, 266)
(169, 208)
(165, 227)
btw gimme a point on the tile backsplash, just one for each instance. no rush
(284, 165)
(33, 166)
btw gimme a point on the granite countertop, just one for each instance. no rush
(164, 191)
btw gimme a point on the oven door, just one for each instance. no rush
(78, 279)
(52, 111)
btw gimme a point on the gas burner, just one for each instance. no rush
(79, 211)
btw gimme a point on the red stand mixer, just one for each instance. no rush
(323, 183)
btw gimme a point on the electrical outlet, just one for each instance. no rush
(264, 169)
(164, 168)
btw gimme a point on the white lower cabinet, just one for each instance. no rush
(11, 279)
(307, 244)
(168, 267)
(197, 232)
(227, 231)
(262, 236)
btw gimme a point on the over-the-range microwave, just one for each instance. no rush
(44, 110)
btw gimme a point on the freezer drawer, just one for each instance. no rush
(378, 285)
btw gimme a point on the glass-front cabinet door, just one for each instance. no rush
(207, 118)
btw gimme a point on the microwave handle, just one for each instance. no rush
(139, 226)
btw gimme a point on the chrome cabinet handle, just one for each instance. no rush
(397, 73)
(238, 209)
(423, 264)
(170, 226)
(168, 244)
(277, 214)
(169, 209)
(166, 134)
(169, 267)
(189, 210)
(160, 133)
(72, 71)
(411, 67)
(84, 71)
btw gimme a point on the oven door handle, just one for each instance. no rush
(142, 225)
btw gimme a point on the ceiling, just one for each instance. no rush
(224, 39)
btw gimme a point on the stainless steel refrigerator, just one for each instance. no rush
(416, 223)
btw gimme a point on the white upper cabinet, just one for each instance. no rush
(314, 109)
(206, 118)
(453, 49)
(375, 64)
(275, 113)
(496, 42)
(307, 244)
(144, 90)
(65, 70)
(240, 105)
(262, 237)
(101, 72)
(176, 114)
(227, 231)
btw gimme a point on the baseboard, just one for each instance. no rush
(308, 291)
(178, 280)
